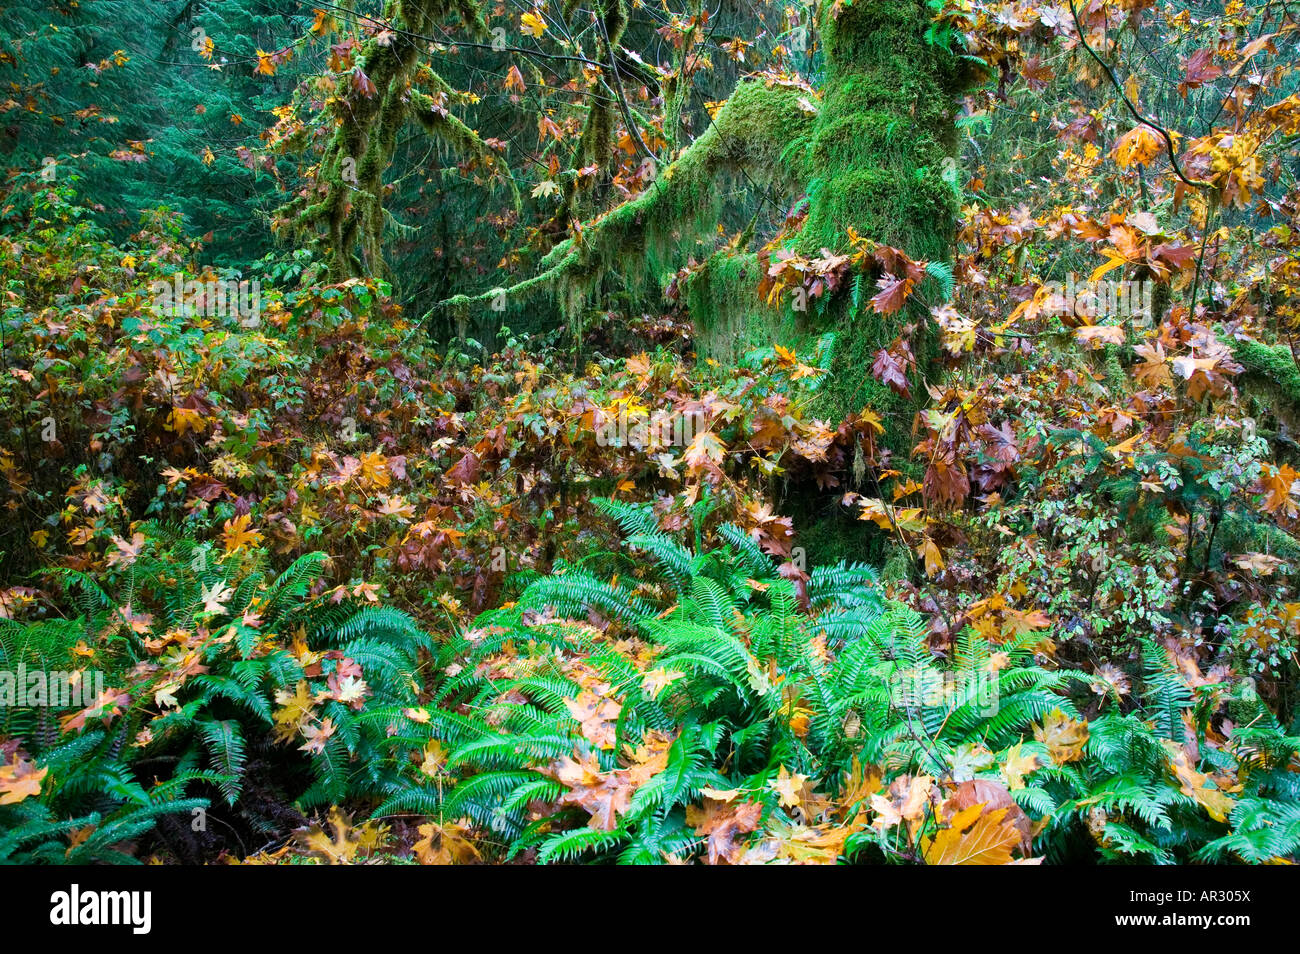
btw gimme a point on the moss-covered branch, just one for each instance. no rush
(387, 86)
(762, 133)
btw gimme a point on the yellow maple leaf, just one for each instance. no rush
(296, 709)
(445, 844)
(237, 536)
(1017, 766)
(933, 556)
(435, 759)
(374, 469)
(346, 843)
(1139, 146)
(323, 22)
(972, 838)
(788, 787)
(1063, 736)
(532, 25)
(20, 779)
(184, 419)
(656, 680)
(1216, 804)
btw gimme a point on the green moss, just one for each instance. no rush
(1239, 533)
(728, 316)
(1272, 364)
(346, 220)
(829, 536)
(760, 134)
(1115, 376)
(1269, 386)
(877, 162)
(872, 159)
(594, 146)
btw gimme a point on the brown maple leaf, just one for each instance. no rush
(724, 825)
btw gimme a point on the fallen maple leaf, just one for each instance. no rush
(445, 844)
(1063, 736)
(724, 826)
(237, 536)
(973, 837)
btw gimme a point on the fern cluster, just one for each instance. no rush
(711, 677)
(617, 718)
(203, 659)
(657, 703)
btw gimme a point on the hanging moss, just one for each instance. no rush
(758, 132)
(595, 144)
(344, 215)
(729, 318)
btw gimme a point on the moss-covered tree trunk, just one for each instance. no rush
(343, 211)
(881, 163)
(871, 158)
(884, 131)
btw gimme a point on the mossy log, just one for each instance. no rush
(1270, 390)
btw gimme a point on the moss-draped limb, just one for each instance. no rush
(876, 156)
(1274, 364)
(760, 133)
(344, 213)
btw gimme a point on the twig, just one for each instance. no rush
(1119, 88)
